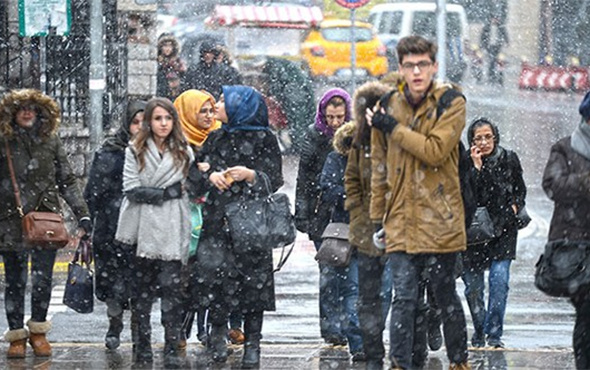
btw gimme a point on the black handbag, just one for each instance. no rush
(79, 291)
(260, 223)
(522, 218)
(563, 270)
(335, 249)
(481, 229)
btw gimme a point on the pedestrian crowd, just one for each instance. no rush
(387, 162)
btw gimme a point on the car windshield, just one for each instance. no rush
(425, 24)
(342, 34)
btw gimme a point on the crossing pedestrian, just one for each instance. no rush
(29, 121)
(113, 262)
(312, 214)
(566, 182)
(242, 154)
(155, 216)
(374, 268)
(416, 200)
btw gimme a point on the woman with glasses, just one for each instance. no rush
(499, 186)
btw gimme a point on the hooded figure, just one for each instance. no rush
(171, 68)
(28, 125)
(226, 280)
(188, 105)
(207, 74)
(104, 193)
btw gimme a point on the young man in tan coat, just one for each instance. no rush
(416, 199)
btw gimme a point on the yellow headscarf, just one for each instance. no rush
(188, 104)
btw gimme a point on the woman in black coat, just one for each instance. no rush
(566, 181)
(103, 194)
(228, 278)
(499, 186)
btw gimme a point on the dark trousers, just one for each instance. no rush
(16, 272)
(370, 304)
(581, 338)
(409, 273)
(153, 279)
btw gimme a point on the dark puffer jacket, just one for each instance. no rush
(311, 214)
(43, 172)
(104, 193)
(566, 181)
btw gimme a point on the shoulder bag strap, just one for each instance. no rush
(19, 205)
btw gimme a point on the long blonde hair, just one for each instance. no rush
(175, 142)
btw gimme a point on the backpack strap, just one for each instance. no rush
(445, 100)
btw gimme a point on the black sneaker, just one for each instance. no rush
(359, 357)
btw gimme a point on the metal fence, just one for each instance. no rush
(59, 65)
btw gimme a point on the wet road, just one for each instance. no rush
(537, 330)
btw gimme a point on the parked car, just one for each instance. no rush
(396, 20)
(326, 50)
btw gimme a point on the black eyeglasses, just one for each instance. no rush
(480, 139)
(422, 65)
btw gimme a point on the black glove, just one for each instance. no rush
(378, 226)
(383, 122)
(173, 191)
(86, 225)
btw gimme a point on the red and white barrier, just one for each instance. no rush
(552, 78)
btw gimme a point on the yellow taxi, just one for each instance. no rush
(326, 50)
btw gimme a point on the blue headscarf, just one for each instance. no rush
(245, 108)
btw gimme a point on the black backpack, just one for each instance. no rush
(465, 164)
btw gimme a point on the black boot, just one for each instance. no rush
(172, 358)
(252, 331)
(217, 342)
(141, 333)
(115, 315)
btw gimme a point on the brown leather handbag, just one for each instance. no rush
(43, 229)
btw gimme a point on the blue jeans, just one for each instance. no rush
(338, 297)
(375, 290)
(488, 322)
(407, 312)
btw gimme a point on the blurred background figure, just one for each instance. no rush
(494, 37)
(171, 68)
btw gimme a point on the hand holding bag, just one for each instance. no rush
(335, 250)
(481, 229)
(563, 270)
(45, 229)
(261, 223)
(79, 291)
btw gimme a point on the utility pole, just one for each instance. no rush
(97, 75)
(441, 38)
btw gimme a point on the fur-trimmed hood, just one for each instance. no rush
(343, 138)
(48, 112)
(366, 96)
(167, 37)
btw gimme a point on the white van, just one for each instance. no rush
(396, 20)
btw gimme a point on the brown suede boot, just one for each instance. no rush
(18, 343)
(37, 338)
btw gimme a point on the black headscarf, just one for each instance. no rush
(121, 138)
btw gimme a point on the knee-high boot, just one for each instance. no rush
(141, 333)
(172, 359)
(217, 342)
(252, 331)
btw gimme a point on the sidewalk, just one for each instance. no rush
(312, 356)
